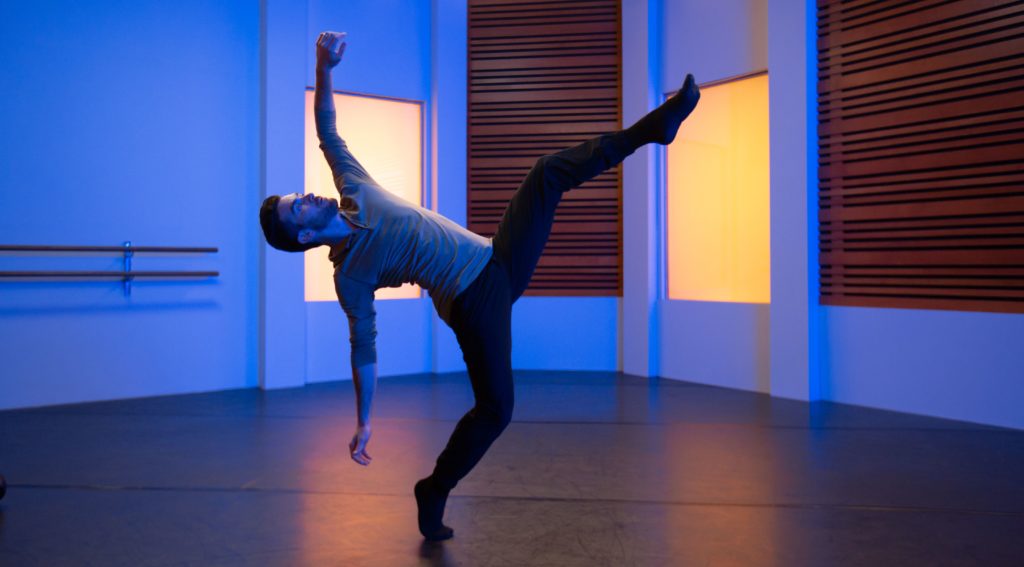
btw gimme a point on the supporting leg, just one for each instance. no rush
(482, 321)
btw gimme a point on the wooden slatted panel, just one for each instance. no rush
(921, 153)
(544, 76)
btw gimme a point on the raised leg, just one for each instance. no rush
(524, 228)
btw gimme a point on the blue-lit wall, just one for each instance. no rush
(163, 123)
(953, 364)
(128, 121)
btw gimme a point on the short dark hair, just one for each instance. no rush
(279, 234)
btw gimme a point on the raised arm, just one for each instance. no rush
(330, 47)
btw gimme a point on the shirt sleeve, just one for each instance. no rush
(335, 150)
(356, 300)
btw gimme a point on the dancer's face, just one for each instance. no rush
(307, 212)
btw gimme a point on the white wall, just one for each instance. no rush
(712, 40)
(565, 333)
(795, 328)
(282, 313)
(109, 135)
(952, 364)
(641, 65)
(403, 339)
(724, 344)
(448, 59)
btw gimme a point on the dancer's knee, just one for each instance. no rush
(539, 169)
(551, 165)
(499, 413)
(542, 163)
(505, 414)
(550, 169)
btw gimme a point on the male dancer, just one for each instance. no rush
(378, 240)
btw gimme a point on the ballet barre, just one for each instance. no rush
(126, 274)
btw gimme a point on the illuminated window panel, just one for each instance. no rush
(385, 136)
(717, 239)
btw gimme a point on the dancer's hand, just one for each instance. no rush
(357, 447)
(330, 46)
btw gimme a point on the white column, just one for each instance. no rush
(795, 314)
(284, 47)
(448, 105)
(641, 66)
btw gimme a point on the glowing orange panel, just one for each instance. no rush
(717, 197)
(385, 136)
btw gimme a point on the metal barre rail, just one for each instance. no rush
(107, 274)
(29, 248)
(127, 275)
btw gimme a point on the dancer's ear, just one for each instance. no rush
(305, 236)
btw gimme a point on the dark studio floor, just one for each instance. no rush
(596, 469)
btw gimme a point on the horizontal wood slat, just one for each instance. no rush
(544, 76)
(921, 154)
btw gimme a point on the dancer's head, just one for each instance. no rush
(293, 223)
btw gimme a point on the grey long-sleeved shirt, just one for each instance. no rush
(396, 242)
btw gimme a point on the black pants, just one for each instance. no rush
(482, 314)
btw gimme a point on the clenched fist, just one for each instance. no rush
(330, 46)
